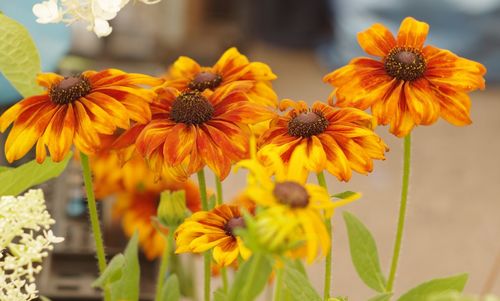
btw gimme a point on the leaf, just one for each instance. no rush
(16, 180)
(364, 253)
(382, 297)
(436, 286)
(171, 290)
(127, 287)
(251, 278)
(220, 295)
(112, 273)
(5, 168)
(19, 59)
(344, 195)
(298, 284)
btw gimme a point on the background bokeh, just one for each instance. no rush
(454, 207)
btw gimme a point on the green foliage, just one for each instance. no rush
(171, 290)
(251, 278)
(296, 282)
(19, 59)
(344, 195)
(435, 287)
(364, 253)
(4, 168)
(220, 295)
(16, 180)
(382, 297)
(122, 275)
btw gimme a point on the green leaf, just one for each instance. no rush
(19, 59)
(4, 168)
(436, 286)
(16, 180)
(251, 278)
(344, 195)
(298, 284)
(127, 287)
(220, 295)
(382, 297)
(171, 290)
(112, 273)
(364, 253)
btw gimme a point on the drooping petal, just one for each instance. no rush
(455, 106)
(423, 105)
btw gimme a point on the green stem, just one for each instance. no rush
(225, 282)
(207, 256)
(402, 213)
(165, 259)
(94, 218)
(328, 259)
(218, 185)
(279, 285)
(252, 273)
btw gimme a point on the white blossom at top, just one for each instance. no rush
(96, 13)
(25, 239)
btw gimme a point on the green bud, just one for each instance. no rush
(172, 208)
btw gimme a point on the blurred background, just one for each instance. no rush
(453, 223)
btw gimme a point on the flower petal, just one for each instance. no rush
(376, 40)
(412, 33)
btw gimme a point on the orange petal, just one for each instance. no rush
(30, 103)
(86, 138)
(376, 40)
(412, 33)
(336, 161)
(48, 79)
(421, 101)
(59, 133)
(117, 112)
(179, 143)
(385, 108)
(230, 65)
(212, 155)
(455, 106)
(403, 122)
(152, 136)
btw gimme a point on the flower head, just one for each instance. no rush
(215, 229)
(75, 110)
(336, 139)
(232, 66)
(410, 84)
(26, 239)
(47, 12)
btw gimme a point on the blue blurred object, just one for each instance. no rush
(52, 41)
(467, 28)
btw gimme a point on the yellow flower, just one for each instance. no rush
(205, 230)
(336, 139)
(409, 84)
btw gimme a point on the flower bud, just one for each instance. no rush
(172, 208)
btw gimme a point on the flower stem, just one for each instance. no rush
(94, 218)
(218, 185)
(328, 259)
(279, 284)
(225, 282)
(402, 213)
(207, 256)
(165, 259)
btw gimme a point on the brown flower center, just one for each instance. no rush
(405, 63)
(69, 89)
(191, 108)
(307, 124)
(205, 80)
(292, 194)
(233, 223)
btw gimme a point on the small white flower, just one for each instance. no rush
(102, 28)
(47, 12)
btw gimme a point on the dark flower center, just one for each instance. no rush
(307, 124)
(191, 108)
(205, 80)
(405, 63)
(292, 194)
(70, 89)
(233, 223)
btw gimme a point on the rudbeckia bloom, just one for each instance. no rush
(193, 129)
(232, 66)
(336, 139)
(135, 209)
(215, 229)
(409, 84)
(294, 211)
(75, 110)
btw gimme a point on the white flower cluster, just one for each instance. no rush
(25, 238)
(96, 13)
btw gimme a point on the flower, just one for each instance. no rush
(172, 208)
(232, 66)
(193, 129)
(410, 84)
(205, 230)
(135, 210)
(26, 239)
(75, 110)
(336, 139)
(295, 211)
(96, 13)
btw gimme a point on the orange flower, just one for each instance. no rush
(411, 84)
(75, 110)
(193, 129)
(232, 66)
(135, 209)
(336, 139)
